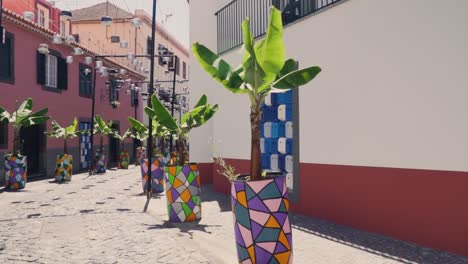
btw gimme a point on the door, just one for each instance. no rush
(33, 139)
(114, 146)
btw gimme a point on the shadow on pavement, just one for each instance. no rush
(387, 247)
(186, 228)
(209, 195)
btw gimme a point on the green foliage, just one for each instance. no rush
(64, 132)
(23, 117)
(140, 132)
(192, 119)
(264, 67)
(101, 127)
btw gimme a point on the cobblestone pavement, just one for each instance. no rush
(99, 219)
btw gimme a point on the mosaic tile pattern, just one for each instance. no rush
(261, 222)
(85, 146)
(124, 160)
(16, 171)
(157, 176)
(183, 193)
(64, 169)
(101, 163)
(140, 155)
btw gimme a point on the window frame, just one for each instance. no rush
(81, 74)
(184, 70)
(41, 20)
(51, 69)
(11, 79)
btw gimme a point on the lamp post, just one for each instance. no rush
(2, 29)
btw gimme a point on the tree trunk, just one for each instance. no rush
(17, 141)
(255, 153)
(101, 144)
(65, 147)
(182, 149)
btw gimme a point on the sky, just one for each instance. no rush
(177, 24)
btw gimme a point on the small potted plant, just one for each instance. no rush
(259, 201)
(101, 128)
(16, 164)
(124, 159)
(182, 179)
(140, 131)
(64, 169)
(115, 104)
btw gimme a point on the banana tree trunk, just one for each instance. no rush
(65, 147)
(255, 153)
(17, 141)
(182, 149)
(101, 143)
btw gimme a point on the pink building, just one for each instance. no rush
(64, 88)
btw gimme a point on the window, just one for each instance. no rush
(85, 77)
(4, 135)
(51, 71)
(7, 59)
(177, 69)
(41, 19)
(113, 91)
(134, 98)
(184, 70)
(63, 28)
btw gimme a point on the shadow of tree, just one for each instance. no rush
(184, 228)
(209, 195)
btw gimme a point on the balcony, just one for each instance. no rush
(230, 17)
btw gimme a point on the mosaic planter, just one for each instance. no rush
(157, 176)
(16, 172)
(140, 155)
(64, 169)
(183, 193)
(101, 163)
(262, 227)
(124, 160)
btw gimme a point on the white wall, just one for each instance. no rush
(393, 91)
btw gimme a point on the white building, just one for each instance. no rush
(381, 135)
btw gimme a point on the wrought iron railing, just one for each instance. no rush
(230, 17)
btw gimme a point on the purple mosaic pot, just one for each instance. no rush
(157, 175)
(261, 221)
(183, 192)
(16, 172)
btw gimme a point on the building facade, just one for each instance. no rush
(64, 88)
(378, 138)
(86, 24)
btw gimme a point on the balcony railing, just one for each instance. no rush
(230, 17)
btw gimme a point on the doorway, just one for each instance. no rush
(114, 146)
(33, 139)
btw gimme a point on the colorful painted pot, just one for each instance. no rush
(140, 155)
(64, 169)
(262, 227)
(124, 160)
(101, 163)
(16, 172)
(183, 191)
(157, 176)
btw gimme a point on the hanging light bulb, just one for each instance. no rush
(77, 51)
(136, 22)
(88, 60)
(29, 16)
(43, 49)
(135, 62)
(106, 20)
(57, 39)
(131, 56)
(123, 44)
(99, 64)
(66, 14)
(69, 59)
(123, 71)
(140, 63)
(70, 39)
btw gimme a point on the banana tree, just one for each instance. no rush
(123, 137)
(64, 133)
(140, 132)
(102, 128)
(198, 116)
(23, 117)
(264, 69)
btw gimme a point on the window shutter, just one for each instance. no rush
(62, 74)
(41, 64)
